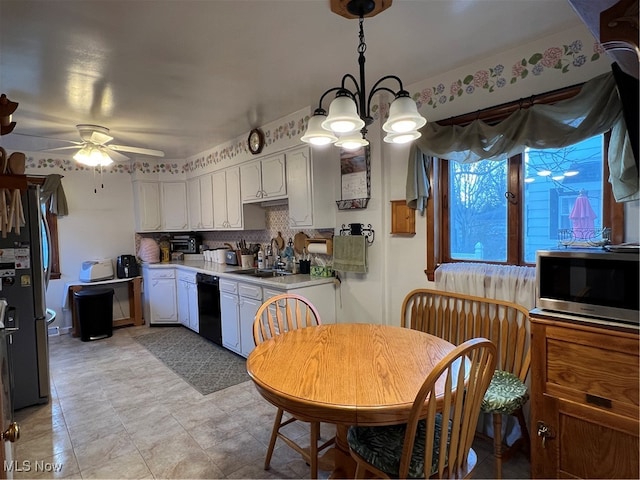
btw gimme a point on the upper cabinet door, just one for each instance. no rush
(274, 182)
(311, 187)
(206, 201)
(147, 206)
(251, 181)
(174, 206)
(195, 205)
(263, 180)
(234, 205)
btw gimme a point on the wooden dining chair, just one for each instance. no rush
(276, 316)
(457, 317)
(436, 440)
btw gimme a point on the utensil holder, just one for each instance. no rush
(305, 266)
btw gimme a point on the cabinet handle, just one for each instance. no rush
(12, 433)
(544, 432)
(598, 401)
(258, 194)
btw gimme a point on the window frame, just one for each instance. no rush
(437, 209)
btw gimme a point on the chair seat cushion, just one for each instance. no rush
(382, 447)
(506, 393)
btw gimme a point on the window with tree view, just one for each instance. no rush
(554, 196)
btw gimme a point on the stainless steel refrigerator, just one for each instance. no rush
(22, 275)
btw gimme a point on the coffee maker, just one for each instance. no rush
(127, 266)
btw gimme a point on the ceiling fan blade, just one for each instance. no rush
(142, 151)
(70, 147)
(100, 138)
(115, 156)
(46, 138)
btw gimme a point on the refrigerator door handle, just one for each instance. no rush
(11, 320)
(49, 260)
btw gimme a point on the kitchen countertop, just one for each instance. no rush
(286, 282)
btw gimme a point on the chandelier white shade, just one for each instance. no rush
(350, 111)
(352, 141)
(343, 116)
(399, 138)
(315, 134)
(403, 116)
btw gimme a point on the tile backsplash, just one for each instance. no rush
(277, 220)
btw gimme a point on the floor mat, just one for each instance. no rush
(206, 366)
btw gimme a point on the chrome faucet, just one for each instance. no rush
(278, 264)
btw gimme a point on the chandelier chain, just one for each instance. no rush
(362, 46)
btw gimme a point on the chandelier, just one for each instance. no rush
(350, 111)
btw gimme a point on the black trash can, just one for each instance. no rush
(94, 310)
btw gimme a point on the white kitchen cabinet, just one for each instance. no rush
(146, 198)
(174, 206)
(230, 315)
(264, 180)
(323, 297)
(228, 211)
(250, 297)
(160, 295)
(239, 303)
(187, 297)
(200, 202)
(311, 189)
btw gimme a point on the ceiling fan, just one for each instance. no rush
(95, 149)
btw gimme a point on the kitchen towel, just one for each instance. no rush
(350, 253)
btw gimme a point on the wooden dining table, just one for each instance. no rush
(346, 374)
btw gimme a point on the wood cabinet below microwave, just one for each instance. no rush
(585, 399)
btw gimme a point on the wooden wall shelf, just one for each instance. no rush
(13, 182)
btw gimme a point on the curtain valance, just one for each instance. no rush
(593, 111)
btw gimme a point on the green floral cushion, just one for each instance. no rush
(382, 447)
(506, 393)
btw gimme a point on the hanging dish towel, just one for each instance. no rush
(350, 253)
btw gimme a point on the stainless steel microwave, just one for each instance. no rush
(590, 282)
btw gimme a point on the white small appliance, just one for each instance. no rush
(96, 270)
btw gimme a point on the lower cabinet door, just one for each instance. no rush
(192, 300)
(183, 302)
(230, 316)
(248, 309)
(163, 305)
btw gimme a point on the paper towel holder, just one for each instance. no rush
(327, 242)
(359, 229)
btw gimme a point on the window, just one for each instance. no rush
(502, 211)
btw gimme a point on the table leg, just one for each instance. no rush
(344, 465)
(135, 301)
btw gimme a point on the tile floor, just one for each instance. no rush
(118, 412)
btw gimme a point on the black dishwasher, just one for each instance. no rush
(210, 325)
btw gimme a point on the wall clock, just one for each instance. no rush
(255, 141)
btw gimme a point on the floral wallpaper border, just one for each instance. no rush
(559, 58)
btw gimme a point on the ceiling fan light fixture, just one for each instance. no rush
(315, 134)
(92, 156)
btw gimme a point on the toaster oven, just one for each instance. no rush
(185, 243)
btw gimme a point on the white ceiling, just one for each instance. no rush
(183, 76)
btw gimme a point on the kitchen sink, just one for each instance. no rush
(254, 272)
